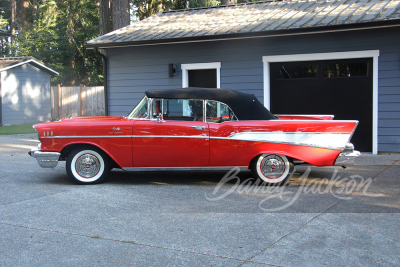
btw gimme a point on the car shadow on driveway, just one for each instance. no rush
(356, 189)
(173, 177)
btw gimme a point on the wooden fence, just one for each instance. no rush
(77, 101)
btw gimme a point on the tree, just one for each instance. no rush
(227, 2)
(55, 31)
(57, 36)
(23, 14)
(203, 3)
(5, 13)
(104, 17)
(120, 13)
(113, 15)
(13, 23)
(147, 8)
(179, 4)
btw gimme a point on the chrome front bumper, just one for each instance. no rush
(346, 158)
(45, 159)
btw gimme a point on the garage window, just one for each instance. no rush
(307, 71)
(356, 69)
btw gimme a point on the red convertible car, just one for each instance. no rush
(194, 128)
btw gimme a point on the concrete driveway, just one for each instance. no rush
(324, 216)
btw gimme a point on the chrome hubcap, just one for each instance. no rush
(272, 166)
(87, 165)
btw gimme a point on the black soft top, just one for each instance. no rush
(245, 106)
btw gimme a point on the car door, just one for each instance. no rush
(178, 138)
(223, 124)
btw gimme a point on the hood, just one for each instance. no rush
(93, 119)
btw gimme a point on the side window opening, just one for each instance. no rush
(218, 112)
(178, 109)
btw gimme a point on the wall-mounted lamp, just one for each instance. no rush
(171, 70)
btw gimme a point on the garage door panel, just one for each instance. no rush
(342, 88)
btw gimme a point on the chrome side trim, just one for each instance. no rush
(284, 143)
(224, 168)
(88, 136)
(172, 136)
(130, 136)
(304, 115)
(336, 141)
(318, 121)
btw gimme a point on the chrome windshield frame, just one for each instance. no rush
(139, 105)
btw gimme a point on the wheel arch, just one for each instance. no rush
(287, 155)
(70, 147)
(317, 156)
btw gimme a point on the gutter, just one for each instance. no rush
(105, 70)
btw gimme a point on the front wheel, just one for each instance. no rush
(87, 165)
(272, 169)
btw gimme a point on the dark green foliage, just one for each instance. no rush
(55, 31)
(5, 13)
(56, 37)
(147, 8)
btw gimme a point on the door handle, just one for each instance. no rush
(199, 127)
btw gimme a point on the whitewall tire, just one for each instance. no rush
(87, 165)
(272, 169)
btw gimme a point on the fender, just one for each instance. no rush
(118, 161)
(313, 155)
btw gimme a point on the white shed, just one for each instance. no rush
(24, 90)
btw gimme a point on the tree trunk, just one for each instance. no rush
(13, 22)
(22, 13)
(71, 41)
(120, 13)
(104, 19)
(34, 9)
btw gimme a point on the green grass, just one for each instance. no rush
(17, 129)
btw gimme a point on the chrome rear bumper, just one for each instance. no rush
(45, 159)
(346, 158)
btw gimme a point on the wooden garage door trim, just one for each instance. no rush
(374, 54)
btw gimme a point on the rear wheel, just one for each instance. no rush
(272, 169)
(87, 165)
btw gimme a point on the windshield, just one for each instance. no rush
(140, 111)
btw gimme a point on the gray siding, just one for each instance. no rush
(133, 70)
(25, 95)
(389, 92)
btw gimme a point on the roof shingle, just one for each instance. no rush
(252, 18)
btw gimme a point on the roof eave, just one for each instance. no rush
(251, 35)
(34, 62)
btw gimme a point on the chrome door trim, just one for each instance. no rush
(223, 168)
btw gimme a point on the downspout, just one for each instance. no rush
(105, 70)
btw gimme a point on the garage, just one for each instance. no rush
(338, 32)
(342, 87)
